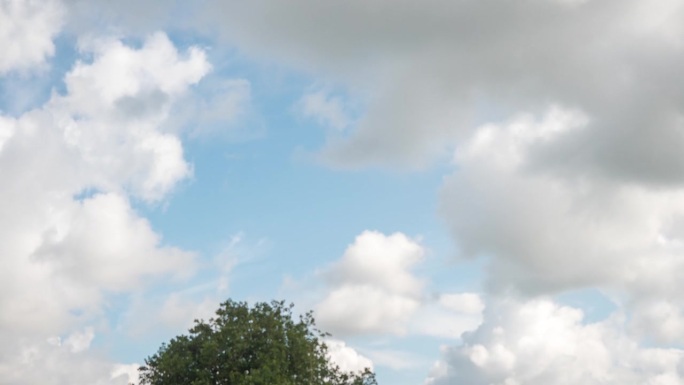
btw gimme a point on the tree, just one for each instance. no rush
(261, 345)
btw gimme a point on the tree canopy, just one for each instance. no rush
(243, 345)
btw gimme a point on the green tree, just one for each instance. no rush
(261, 345)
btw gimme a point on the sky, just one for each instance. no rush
(463, 191)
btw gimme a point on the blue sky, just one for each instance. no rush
(463, 192)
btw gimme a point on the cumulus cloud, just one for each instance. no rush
(372, 288)
(348, 359)
(548, 231)
(540, 342)
(26, 32)
(69, 235)
(576, 183)
(133, 89)
(381, 260)
(103, 236)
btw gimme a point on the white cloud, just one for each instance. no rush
(365, 309)
(372, 288)
(540, 342)
(380, 260)
(468, 303)
(69, 236)
(348, 359)
(449, 316)
(128, 371)
(79, 341)
(27, 29)
(395, 359)
(29, 360)
(103, 236)
(662, 319)
(132, 89)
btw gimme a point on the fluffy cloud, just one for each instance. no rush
(69, 236)
(348, 359)
(372, 287)
(588, 194)
(540, 342)
(26, 32)
(132, 89)
(103, 236)
(548, 231)
(379, 260)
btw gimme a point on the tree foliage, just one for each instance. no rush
(261, 345)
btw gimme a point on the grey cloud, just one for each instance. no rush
(142, 105)
(544, 232)
(433, 69)
(429, 64)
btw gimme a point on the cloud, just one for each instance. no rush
(157, 314)
(327, 110)
(348, 359)
(548, 231)
(449, 316)
(469, 303)
(69, 235)
(540, 342)
(575, 181)
(381, 260)
(395, 359)
(55, 362)
(430, 72)
(214, 106)
(26, 32)
(365, 309)
(433, 68)
(105, 238)
(372, 288)
(132, 89)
